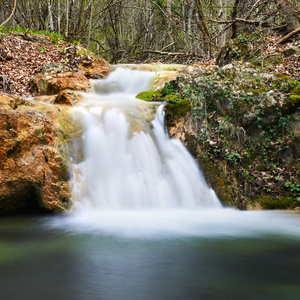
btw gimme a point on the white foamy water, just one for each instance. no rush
(141, 182)
(133, 171)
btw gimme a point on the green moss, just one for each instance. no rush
(149, 96)
(282, 202)
(282, 76)
(260, 168)
(295, 99)
(70, 126)
(176, 110)
(296, 90)
(260, 90)
(217, 181)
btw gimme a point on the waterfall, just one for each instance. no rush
(129, 161)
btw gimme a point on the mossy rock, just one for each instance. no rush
(176, 110)
(150, 96)
(295, 99)
(70, 135)
(273, 60)
(282, 202)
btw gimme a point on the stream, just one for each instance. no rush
(144, 225)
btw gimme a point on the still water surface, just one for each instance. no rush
(237, 255)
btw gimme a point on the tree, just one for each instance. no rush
(14, 8)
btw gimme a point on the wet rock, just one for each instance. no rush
(231, 108)
(67, 97)
(12, 102)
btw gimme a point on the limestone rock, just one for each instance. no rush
(33, 173)
(12, 102)
(67, 97)
(54, 68)
(51, 84)
(94, 68)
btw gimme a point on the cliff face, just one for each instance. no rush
(33, 173)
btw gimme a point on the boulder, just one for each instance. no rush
(94, 68)
(67, 97)
(34, 174)
(12, 102)
(290, 51)
(51, 84)
(54, 68)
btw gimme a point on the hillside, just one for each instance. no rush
(22, 55)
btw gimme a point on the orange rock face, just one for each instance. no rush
(32, 171)
(67, 97)
(51, 84)
(54, 78)
(95, 68)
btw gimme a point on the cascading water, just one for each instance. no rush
(127, 168)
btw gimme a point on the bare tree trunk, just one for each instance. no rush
(190, 21)
(202, 22)
(233, 17)
(67, 19)
(222, 17)
(70, 25)
(203, 28)
(50, 18)
(289, 15)
(58, 16)
(169, 12)
(90, 24)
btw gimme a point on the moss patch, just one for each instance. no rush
(282, 202)
(176, 110)
(150, 96)
(70, 126)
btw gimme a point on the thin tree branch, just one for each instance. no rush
(14, 8)
(287, 37)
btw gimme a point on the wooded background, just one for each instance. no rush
(128, 30)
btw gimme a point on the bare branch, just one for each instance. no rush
(14, 8)
(287, 37)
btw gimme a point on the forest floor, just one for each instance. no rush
(22, 55)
